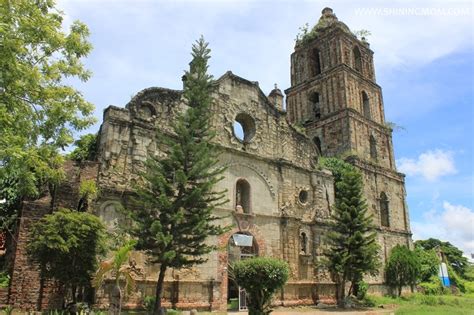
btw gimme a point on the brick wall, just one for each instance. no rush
(27, 291)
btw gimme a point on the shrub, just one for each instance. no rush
(432, 287)
(260, 277)
(88, 192)
(362, 288)
(455, 279)
(402, 268)
(428, 300)
(368, 301)
(8, 309)
(469, 286)
(149, 303)
(4, 280)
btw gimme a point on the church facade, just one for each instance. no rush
(279, 199)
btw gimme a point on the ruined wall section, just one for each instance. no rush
(128, 135)
(272, 137)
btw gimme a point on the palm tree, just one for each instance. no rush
(121, 272)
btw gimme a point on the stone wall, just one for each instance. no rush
(27, 290)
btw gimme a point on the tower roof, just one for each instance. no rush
(327, 21)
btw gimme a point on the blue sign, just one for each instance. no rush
(443, 275)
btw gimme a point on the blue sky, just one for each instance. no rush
(423, 60)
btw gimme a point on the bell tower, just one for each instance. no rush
(334, 95)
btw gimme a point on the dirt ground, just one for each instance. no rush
(326, 311)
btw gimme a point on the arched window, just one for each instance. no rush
(365, 105)
(303, 243)
(357, 59)
(316, 62)
(242, 196)
(314, 100)
(373, 148)
(384, 218)
(317, 143)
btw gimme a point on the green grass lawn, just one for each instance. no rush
(429, 304)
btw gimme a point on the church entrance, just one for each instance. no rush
(241, 246)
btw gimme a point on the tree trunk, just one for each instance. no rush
(340, 293)
(115, 300)
(74, 290)
(400, 290)
(157, 309)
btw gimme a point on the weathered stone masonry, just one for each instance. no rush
(275, 192)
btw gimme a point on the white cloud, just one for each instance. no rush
(455, 223)
(431, 165)
(459, 220)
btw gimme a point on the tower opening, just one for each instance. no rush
(314, 100)
(317, 143)
(384, 217)
(315, 62)
(366, 105)
(357, 59)
(304, 243)
(373, 148)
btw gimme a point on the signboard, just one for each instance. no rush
(443, 274)
(243, 240)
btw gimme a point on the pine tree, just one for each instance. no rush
(352, 248)
(176, 203)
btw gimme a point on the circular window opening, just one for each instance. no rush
(244, 127)
(303, 196)
(146, 112)
(238, 131)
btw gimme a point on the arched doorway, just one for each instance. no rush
(241, 245)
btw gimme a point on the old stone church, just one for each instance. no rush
(279, 200)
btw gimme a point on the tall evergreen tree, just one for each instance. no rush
(352, 248)
(176, 202)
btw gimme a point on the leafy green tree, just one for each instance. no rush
(88, 192)
(10, 200)
(86, 148)
(174, 214)
(261, 277)
(66, 245)
(452, 253)
(402, 268)
(337, 167)
(121, 272)
(352, 247)
(39, 111)
(429, 263)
